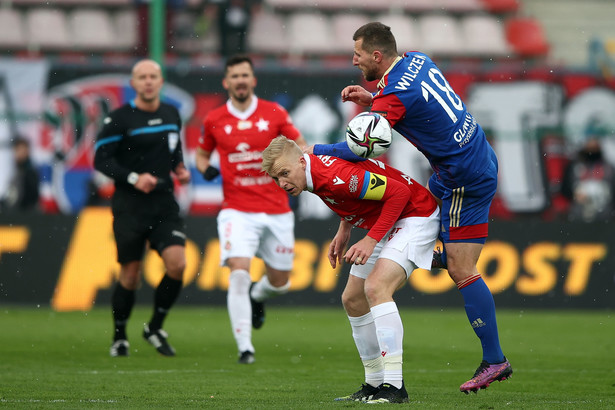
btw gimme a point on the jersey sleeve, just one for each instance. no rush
(394, 196)
(287, 127)
(107, 144)
(390, 107)
(339, 150)
(206, 140)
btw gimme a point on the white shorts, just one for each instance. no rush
(410, 243)
(249, 234)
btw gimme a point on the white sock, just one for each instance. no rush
(390, 332)
(263, 289)
(240, 309)
(364, 334)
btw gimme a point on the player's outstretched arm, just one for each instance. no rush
(357, 95)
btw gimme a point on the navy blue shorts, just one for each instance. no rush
(465, 209)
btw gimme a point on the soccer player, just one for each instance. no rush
(420, 104)
(139, 146)
(256, 219)
(402, 219)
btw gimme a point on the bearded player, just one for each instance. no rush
(402, 219)
(256, 219)
(417, 100)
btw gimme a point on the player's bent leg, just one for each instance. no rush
(274, 283)
(364, 336)
(386, 277)
(480, 310)
(353, 297)
(380, 285)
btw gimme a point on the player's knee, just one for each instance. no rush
(278, 278)
(353, 304)
(459, 274)
(372, 293)
(175, 268)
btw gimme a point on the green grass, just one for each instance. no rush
(305, 358)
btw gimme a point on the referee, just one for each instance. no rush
(139, 146)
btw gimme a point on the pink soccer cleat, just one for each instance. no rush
(486, 374)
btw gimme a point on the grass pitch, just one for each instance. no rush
(305, 357)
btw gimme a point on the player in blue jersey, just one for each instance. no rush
(420, 104)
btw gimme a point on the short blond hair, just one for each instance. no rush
(279, 147)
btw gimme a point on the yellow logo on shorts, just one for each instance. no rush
(377, 186)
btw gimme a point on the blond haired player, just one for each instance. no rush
(402, 219)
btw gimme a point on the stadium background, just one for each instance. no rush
(536, 82)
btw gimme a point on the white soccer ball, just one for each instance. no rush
(369, 135)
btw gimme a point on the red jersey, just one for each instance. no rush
(240, 138)
(368, 194)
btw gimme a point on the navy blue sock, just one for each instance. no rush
(480, 309)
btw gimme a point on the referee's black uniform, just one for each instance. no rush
(136, 141)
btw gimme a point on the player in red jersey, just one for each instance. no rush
(256, 219)
(403, 221)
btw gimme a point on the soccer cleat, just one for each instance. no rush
(246, 357)
(387, 393)
(120, 348)
(436, 260)
(366, 392)
(158, 339)
(258, 310)
(486, 374)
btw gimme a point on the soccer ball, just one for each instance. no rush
(369, 135)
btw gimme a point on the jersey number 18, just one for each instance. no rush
(444, 89)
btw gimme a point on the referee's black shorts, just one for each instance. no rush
(152, 218)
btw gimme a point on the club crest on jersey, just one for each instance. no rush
(228, 129)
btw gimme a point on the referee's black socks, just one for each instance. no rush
(166, 294)
(122, 302)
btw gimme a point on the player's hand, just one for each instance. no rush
(336, 249)
(146, 183)
(183, 175)
(360, 252)
(357, 95)
(210, 173)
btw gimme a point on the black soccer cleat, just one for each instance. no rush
(119, 348)
(387, 393)
(246, 357)
(158, 339)
(366, 392)
(258, 310)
